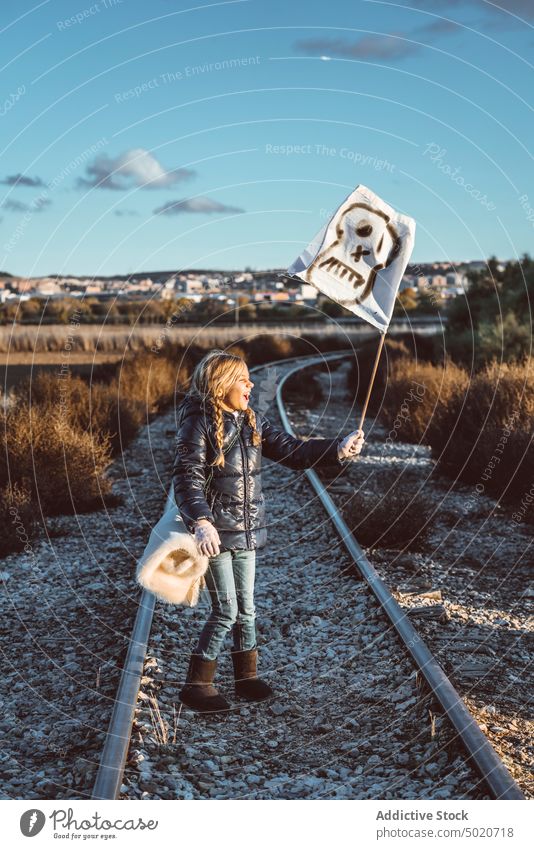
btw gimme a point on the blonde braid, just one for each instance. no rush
(250, 418)
(219, 431)
(218, 418)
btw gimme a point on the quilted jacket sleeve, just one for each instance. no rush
(189, 472)
(280, 446)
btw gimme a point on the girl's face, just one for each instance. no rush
(238, 395)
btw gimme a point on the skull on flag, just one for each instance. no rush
(359, 257)
(365, 242)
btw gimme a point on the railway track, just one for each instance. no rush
(328, 753)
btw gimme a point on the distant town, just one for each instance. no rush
(239, 287)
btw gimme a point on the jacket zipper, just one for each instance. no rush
(245, 470)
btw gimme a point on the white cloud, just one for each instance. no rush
(197, 204)
(134, 168)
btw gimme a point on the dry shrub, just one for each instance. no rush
(479, 427)
(17, 517)
(64, 466)
(417, 395)
(389, 512)
(149, 380)
(112, 416)
(142, 386)
(92, 407)
(59, 432)
(484, 434)
(359, 375)
(237, 351)
(265, 347)
(418, 349)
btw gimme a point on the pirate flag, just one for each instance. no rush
(359, 257)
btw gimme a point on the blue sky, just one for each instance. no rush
(141, 136)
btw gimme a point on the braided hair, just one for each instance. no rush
(212, 379)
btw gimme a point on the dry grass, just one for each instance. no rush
(88, 338)
(417, 395)
(117, 405)
(96, 407)
(58, 434)
(151, 381)
(485, 433)
(64, 466)
(266, 347)
(419, 349)
(17, 517)
(123, 339)
(480, 427)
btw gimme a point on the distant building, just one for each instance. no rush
(22, 284)
(271, 296)
(46, 288)
(189, 285)
(306, 293)
(114, 285)
(438, 280)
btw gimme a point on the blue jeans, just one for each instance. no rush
(230, 582)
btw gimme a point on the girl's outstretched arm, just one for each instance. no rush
(280, 446)
(189, 473)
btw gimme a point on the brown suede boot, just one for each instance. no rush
(199, 692)
(247, 684)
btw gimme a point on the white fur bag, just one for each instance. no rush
(171, 566)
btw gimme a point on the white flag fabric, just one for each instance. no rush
(359, 257)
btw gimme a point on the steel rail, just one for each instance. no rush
(479, 749)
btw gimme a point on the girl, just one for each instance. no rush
(217, 488)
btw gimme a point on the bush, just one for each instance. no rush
(484, 434)
(148, 380)
(476, 332)
(507, 339)
(63, 466)
(59, 433)
(95, 407)
(17, 517)
(417, 395)
(237, 351)
(405, 345)
(142, 386)
(265, 347)
(479, 427)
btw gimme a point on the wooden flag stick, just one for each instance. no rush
(371, 381)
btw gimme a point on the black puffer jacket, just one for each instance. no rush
(231, 496)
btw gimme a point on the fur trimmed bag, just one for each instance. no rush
(171, 565)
